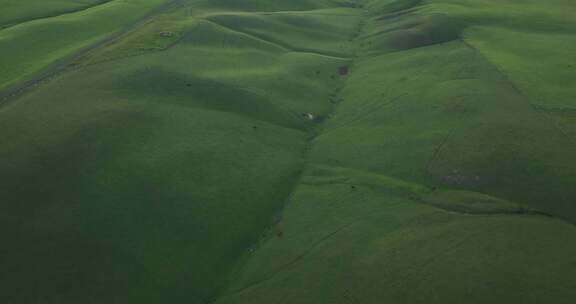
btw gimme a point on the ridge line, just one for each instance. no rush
(61, 65)
(22, 21)
(313, 133)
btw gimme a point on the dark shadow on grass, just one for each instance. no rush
(185, 90)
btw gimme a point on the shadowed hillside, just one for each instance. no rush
(275, 151)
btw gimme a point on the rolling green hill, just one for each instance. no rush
(294, 152)
(32, 43)
(19, 11)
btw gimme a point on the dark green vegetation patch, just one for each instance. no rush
(288, 151)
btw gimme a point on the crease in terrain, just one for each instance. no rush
(68, 51)
(293, 152)
(323, 236)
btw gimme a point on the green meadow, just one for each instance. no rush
(18, 11)
(33, 42)
(288, 151)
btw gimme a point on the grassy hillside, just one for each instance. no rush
(18, 11)
(36, 43)
(311, 151)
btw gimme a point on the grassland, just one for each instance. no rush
(14, 12)
(33, 43)
(309, 151)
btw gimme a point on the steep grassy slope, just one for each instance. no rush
(32, 46)
(349, 238)
(384, 213)
(310, 151)
(152, 174)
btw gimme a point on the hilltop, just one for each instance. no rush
(288, 151)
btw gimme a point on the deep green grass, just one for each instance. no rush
(344, 244)
(30, 47)
(439, 166)
(325, 32)
(18, 11)
(469, 128)
(423, 106)
(182, 130)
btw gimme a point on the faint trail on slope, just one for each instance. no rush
(519, 91)
(306, 152)
(62, 64)
(419, 197)
(445, 139)
(298, 258)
